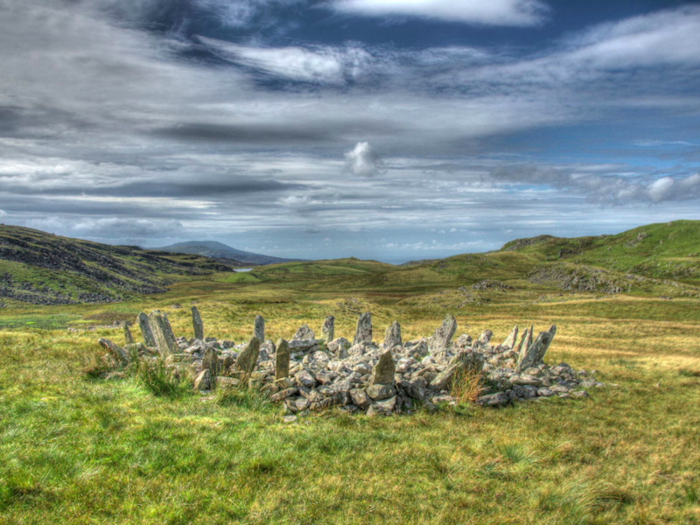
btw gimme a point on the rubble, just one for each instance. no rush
(307, 374)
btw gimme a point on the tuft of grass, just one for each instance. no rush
(467, 386)
(160, 381)
(248, 398)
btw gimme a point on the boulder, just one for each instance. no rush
(392, 336)
(363, 332)
(379, 392)
(383, 372)
(360, 398)
(197, 324)
(382, 408)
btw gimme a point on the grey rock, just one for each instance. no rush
(328, 328)
(442, 335)
(197, 324)
(463, 363)
(305, 378)
(203, 381)
(415, 388)
(248, 357)
(579, 394)
(146, 330)
(226, 382)
(284, 394)
(485, 337)
(392, 336)
(210, 361)
(493, 400)
(544, 392)
(303, 345)
(525, 341)
(363, 332)
(382, 408)
(512, 339)
(282, 359)
(304, 332)
(360, 398)
(463, 342)
(115, 350)
(259, 328)
(379, 392)
(339, 347)
(302, 404)
(289, 419)
(162, 333)
(535, 353)
(383, 372)
(443, 399)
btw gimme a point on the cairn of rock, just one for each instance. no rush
(396, 376)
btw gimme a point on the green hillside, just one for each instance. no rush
(41, 268)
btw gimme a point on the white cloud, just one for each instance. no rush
(313, 64)
(362, 160)
(487, 12)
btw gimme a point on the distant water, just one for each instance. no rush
(243, 269)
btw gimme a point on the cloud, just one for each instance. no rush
(484, 12)
(325, 64)
(362, 160)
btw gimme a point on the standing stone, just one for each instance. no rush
(328, 329)
(128, 338)
(303, 333)
(249, 356)
(534, 355)
(259, 328)
(392, 336)
(162, 333)
(526, 341)
(282, 359)
(210, 361)
(442, 335)
(146, 331)
(197, 324)
(512, 338)
(117, 352)
(383, 372)
(363, 333)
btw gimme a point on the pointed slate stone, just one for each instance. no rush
(146, 331)
(363, 333)
(512, 338)
(248, 357)
(117, 352)
(442, 335)
(197, 324)
(535, 353)
(259, 328)
(392, 336)
(128, 338)
(525, 341)
(162, 333)
(304, 332)
(282, 359)
(328, 329)
(210, 361)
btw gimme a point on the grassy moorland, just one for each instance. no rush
(79, 449)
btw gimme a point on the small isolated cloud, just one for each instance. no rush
(484, 12)
(362, 160)
(3, 213)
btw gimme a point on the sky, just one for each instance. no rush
(392, 130)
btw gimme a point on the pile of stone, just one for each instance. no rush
(306, 373)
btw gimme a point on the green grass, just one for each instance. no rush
(79, 447)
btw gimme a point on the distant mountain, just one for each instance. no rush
(217, 250)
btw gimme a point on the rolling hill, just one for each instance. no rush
(220, 251)
(42, 268)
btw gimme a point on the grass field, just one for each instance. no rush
(79, 450)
